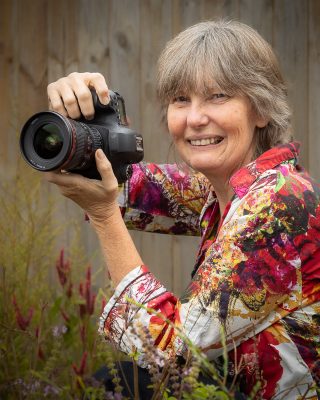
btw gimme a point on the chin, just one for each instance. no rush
(203, 165)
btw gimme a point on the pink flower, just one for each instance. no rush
(64, 273)
(88, 297)
(23, 322)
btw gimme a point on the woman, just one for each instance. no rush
(257, 270)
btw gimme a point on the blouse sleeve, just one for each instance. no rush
(250, 278)
(163, 199)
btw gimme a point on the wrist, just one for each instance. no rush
(109, 214)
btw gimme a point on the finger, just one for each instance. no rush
(64, 179)
(55, 100)
(85, 101)
(70, 100)
(79, 83)
(105, 169)
(62, 99)
(98, 82)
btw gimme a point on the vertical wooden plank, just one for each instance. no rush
(290, 40)
(314, 87)
(6, 70)
(23, 73)
(153, 39)
(216, 9)
(257, 14)
(190, 13)
(62, 36)
(93, 36)
(125, 54)
(32, 50)
(185, 13)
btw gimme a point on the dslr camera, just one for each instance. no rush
(50, 141)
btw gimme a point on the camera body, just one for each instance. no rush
(51, 141)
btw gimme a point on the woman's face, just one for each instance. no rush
(213, 133)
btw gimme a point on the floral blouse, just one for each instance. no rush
(256, 277)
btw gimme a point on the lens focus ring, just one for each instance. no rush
(87, 141)
(96, 136)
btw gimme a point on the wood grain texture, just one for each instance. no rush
(290, 40)
(6, 83)
(259, 15)
(93, 36)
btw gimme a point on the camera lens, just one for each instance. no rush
(48, 141)
(51, 141)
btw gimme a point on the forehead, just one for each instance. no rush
(199, 82)
(198, 77)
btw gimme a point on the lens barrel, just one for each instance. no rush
(51, 141)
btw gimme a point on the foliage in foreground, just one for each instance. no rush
(49, 345)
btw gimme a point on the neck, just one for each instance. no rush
(223, 191)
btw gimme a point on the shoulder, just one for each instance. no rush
(284, 198)
(285, 181)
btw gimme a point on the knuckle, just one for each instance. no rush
(69, 100)
(73, 75)
(55, 103)
(50, 86)
(84, 95)
(97, 75)
(60, 82)
(106, 167)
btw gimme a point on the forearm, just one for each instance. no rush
(118, 249)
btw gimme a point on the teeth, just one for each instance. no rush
(206, 142)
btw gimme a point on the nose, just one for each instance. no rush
(197, 115)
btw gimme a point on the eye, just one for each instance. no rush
(218, 96)
(180, 99)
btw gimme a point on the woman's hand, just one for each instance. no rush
(71, 96)
(97, 198)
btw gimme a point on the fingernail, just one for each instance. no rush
(105, 100)
(100, 154)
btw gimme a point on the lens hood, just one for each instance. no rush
(29, 135)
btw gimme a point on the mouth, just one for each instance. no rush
(207, 141)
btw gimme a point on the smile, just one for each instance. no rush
(206, 142)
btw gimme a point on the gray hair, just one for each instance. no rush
(237, 59)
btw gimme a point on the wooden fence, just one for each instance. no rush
(42, 40)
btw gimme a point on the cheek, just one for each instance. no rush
(239, 123)
(175, 125)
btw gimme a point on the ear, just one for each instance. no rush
(261, 122)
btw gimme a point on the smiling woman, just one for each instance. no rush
(214, 135)
(225, 59)
(256, 276)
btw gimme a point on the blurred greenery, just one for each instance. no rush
(50, 303)
(48, 329)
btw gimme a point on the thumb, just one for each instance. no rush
(104, 166)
